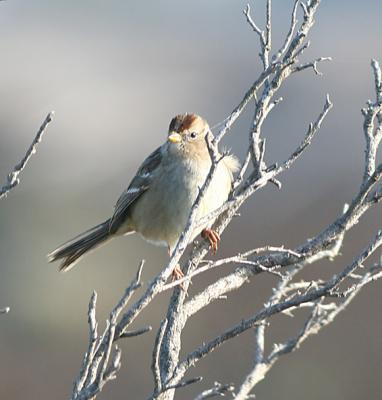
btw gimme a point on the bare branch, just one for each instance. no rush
(261, 367)
(373, 134)
(237, 278)
(378, 83)
(264, 36)
(313, 128)
(259, 341)
(298, 40)
(238, 259)
(155, 362)
(289, 36)
(251, 22)
(184, 383)
(96, 370)
(312, 64)
(267, 35)
(13, 177)
(136, 332)
(267, 312)
(217, 390)
(324, 298)
(93, 336)
(320, 316)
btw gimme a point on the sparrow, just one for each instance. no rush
(158, 201)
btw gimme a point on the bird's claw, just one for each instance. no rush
(177, 273)
(213, 237)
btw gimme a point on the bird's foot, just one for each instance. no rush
(213, 237)
(176, 274)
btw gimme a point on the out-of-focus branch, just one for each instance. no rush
(13, 177)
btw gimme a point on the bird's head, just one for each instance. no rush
(187, 133)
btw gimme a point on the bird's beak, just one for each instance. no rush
(174, 137)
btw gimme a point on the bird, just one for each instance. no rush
(158, 201)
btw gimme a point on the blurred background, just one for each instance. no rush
(116, 72)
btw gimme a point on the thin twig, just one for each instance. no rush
(136, 332)
(217, 390)
(289, 36)
(13, 177)
(312, 64)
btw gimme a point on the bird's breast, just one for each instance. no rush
(161, 213)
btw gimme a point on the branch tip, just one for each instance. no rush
(136, 332)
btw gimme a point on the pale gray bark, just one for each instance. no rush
(325, 298)
(13, 177)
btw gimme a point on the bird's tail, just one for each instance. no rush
(71, 251)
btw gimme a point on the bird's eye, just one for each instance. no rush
(193, 135)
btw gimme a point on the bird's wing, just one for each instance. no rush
(139, 184)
